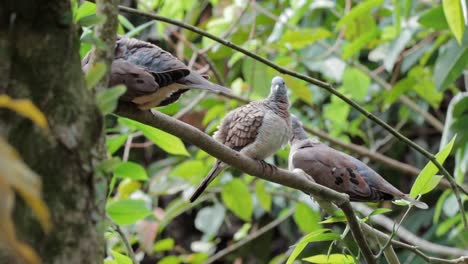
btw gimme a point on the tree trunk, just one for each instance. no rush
(39, 60)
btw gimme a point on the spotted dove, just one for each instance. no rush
(153, 76)
(258, 129)
(339, 171)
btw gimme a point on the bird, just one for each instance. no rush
(340, 171)
(153, 76)
(257, 130)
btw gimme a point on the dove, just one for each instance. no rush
(339, 171)
(257, 130)
(153, 76)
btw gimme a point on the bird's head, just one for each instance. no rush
(298, 130)
(278, 87)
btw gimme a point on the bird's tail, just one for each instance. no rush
(417, 203)
(217, 168)
(195, 80)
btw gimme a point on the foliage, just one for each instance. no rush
(373, 51)
(16, 176)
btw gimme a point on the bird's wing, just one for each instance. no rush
(331, 168)
(138, 81)
(240, 127)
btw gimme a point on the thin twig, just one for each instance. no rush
(456, 188)
(231, 248)
(124, 240)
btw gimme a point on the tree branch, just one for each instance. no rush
(107, 33)
(299, 181)
(456, 188)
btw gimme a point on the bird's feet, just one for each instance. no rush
(267, 168)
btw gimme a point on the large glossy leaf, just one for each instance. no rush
(131, 170)
(306, 218)
(434, 18)
(107, 100)
(169, 143)
(424, 182)
(237, 198)
(452, 60)
(127, 211)
(454, 16)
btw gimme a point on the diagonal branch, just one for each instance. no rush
(455, 187)
(299, 181)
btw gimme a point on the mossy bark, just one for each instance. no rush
(39, 60)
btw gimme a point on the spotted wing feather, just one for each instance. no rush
(241, 126)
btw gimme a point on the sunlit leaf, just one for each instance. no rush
(352, 48)
(454, 16)
(330, 259)
(91, 20)
(298, 39)
(131, 170)
(94, 74)
(356, 83)
(237, 198)
(306, 218)
(25, 108)
(127, 187)
(358, 11)
(424, 182)
(85, 9)
(169, 143)
(127, 211)
(114, 143)
(121, 258)
(317, 235)
(264, 198)
(164, 245)
(107, 100)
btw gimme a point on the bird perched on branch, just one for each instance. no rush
(340, 171)
(153, 76)
(258, 129)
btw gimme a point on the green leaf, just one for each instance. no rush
(167, 142)
(237, 198)
(264, 198)
(114, 143)
(125, 22)
(356, 83)
(354, 47)
(446, 225)
(85, 9)
(450, 64)
(300, 38)
(94, 74)
(317, 235)
(91, 20)
(120, 258)
(127, 211)
(424, 182)
(164, 245)
(191, 171)
(131, 170)
(358, 11)
(210, 218)
(169, 260)
(299, 89)
(454, 16)
(107, 100)
(330, 259)
(140, 28)
(109, 165)
(257, 76)
(306, 218)
(379, 211)
(439, 206)
(434, 18)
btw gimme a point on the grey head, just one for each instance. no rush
(298, 130)
(278, 88)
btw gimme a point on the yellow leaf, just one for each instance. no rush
(26, 108)
(16, 175)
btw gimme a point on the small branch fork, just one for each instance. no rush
(455, 187)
